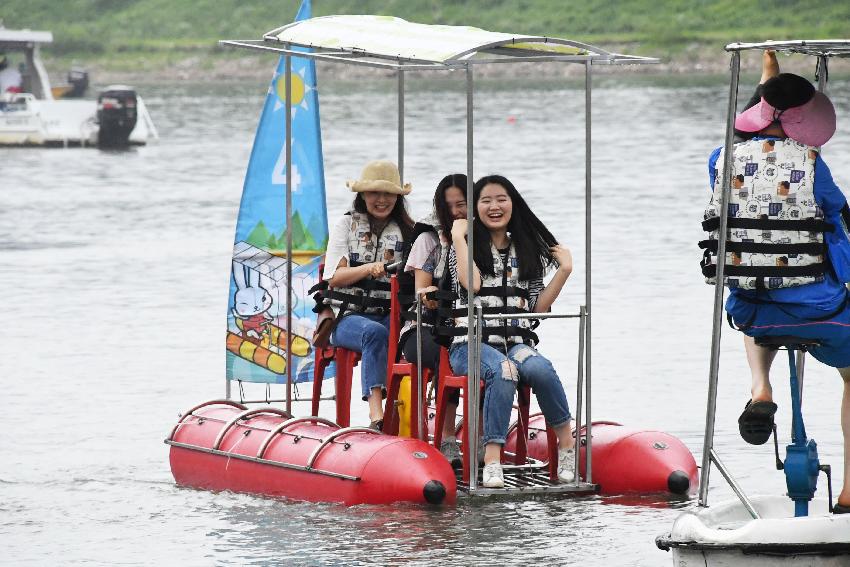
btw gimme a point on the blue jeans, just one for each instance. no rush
(368, 335)
(501, 374)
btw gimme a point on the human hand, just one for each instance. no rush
(428, 303)
(459, 228)
(563, 256)
(376, 269)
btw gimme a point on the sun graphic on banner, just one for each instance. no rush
(299, 89)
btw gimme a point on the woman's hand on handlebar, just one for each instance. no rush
(428, 303)
(376, 269)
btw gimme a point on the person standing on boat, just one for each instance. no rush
(788, 229)
(373, 233)
(512, 251)
(428, 261)
(10, 78)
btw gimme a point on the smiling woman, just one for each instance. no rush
(375, 232)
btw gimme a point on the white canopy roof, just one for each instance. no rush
(817, 47)
(8, 38)
(361, 38)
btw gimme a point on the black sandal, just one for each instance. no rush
(840, 509)
(756, 422)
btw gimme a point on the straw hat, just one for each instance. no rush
(805, 114)
(380, 175)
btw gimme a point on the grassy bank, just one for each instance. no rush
(179, 36)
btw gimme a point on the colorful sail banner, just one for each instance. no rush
(257, 308)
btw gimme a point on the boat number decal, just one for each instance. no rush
(660, 445)
(420, 455)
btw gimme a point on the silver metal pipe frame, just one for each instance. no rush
(588, 87)
(420, 401)
(734, 485)
(474, 394)
(533, 316)
(719, 289)
(288, 146)
(472, 368)
(401, 127)
(579, 387)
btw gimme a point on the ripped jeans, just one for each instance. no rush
(500, 376)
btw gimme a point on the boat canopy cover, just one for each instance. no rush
(10, 39)
(387, 37)
(817, 47)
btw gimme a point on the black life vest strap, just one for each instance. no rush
(503, 292)
(809, 225)
(818, 269)
(512, 331)
(811, 248)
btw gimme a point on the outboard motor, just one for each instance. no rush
(116, 115)
(79, 80)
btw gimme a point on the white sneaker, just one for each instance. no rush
(493, 477)
(566, 465)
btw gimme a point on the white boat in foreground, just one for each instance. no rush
(33, 117)
(726, 535)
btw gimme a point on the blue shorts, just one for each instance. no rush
(831, 328)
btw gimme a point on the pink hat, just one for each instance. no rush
(812, 123)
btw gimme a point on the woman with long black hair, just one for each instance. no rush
(512, 251)
(428, 261)
(371, 235)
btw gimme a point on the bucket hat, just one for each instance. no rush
(805, 114)
(380, 175)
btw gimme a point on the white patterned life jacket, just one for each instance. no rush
(503, 293)
(369, 295)
(775, 227)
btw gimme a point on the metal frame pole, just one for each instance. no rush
(714, 367)
(588, 88)
(473, 371)
(420, 402)
(288, 79)
(579, 384)
(401, 125)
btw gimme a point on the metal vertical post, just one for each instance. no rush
(473, 372)
(580, 384)
(588, 87)
(714, 366)
(420, 402)
(401, 125)
(288, 146)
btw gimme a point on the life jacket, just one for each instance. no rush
(776, 229)
(445, 296)
(502, 293)
(369, 295)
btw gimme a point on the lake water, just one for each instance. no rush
(114, 268)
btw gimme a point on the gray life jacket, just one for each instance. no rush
(776, 229)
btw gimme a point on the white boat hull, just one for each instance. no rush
(725, 535)
(27, 121)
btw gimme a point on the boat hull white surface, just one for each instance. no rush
(27, 121)
(725, 535)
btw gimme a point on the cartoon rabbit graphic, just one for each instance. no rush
(250, 303)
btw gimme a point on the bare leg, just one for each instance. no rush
(844, 496)
(760, 359)
(769, 66)
(449, 430)
(376, 404)
(565, 436)
(492, 453)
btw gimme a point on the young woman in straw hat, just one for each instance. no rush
(789, 239)
(512, 252)
(371, 235)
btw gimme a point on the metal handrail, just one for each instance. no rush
(534, 316)
(335, 435)
(244, 415)
(279, 429)
(182, 419)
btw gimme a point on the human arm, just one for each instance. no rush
(459, 230)
(337, 271)
(422, 281)
(550, 293)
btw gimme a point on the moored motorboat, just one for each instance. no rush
(30, 114)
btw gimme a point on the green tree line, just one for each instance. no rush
(120, 26)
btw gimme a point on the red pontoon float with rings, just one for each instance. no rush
(223, 445)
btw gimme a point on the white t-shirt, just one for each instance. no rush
(9, 78)
(337, 246)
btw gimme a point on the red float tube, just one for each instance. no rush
(222, 445)
(625, 460)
